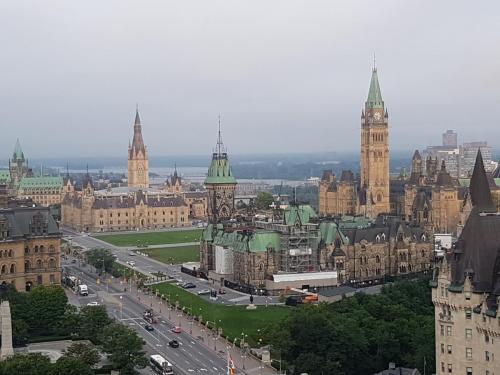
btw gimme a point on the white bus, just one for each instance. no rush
(160, 365)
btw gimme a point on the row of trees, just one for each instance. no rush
(45, 313)
(360, 334)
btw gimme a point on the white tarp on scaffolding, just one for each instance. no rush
(223, 260)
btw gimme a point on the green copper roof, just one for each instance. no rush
(4, 175)
(41, 182)
(220, 170)
(254, 242)
(303, 213)
(18, 152)
(465, 182)
(374, 95)
(330, 232)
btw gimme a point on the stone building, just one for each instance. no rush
(258, 254)
(466, 290)
(371, 194)
(118, 210)
(23, 184)
(138, 162)
(432, 200)
(220, 185)
(29, 247)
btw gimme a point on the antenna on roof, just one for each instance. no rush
(220, 145)
(374, 62)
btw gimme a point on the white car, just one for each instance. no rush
(132, 254)
(203, 292)
(93, 303)
(131, 263)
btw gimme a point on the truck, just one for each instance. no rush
(83, 290)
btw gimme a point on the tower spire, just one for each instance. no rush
(374, 99)
(374, 62)
(220, 145)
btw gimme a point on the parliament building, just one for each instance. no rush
(136, 206)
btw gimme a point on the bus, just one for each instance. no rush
(160, 365)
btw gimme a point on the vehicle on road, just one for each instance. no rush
(176, 329)
(294, 300)
(83, 290)
(149, 327)
(203, 292)
(188, 286)
(160, 365)
(131, 263)
(93, 303)
(132, 254)
(173, 344)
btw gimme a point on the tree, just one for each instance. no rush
(45, 307)
(99, 258)
(264, 200)
(83, 351)
(71, 366)
(124, 347)
(93, 319)
(26, 364)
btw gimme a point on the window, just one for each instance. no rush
(450, 368)
(487, 355)
(469, 371)
(442, 366)
(486, 338)
(52, 279)
(468, 353)
(449, 348)
(442, 348)
(468, 333)
(468, 313)
(467, 295)
(448, 331)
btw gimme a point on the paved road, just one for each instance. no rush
(196, 354)
(149, 265)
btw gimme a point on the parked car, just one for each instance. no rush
(173, 344)
(149, 327)
(176, 329)
(188, 286)
(203, 292)
(131, 263)
(93, 303)
(132, 254)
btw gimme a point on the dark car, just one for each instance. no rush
(149, 327)
(293, 300)
(188, 286)
(173, 344)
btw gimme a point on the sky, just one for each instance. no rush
(285, 76)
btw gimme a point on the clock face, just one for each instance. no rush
(377, 116)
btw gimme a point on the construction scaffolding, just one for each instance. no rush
(298, 251)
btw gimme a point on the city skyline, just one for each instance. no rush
(304, 71)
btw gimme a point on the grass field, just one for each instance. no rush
(234, 320)
(153, 238)
(180, 254)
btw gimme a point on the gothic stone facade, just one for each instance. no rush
(138, 162)
(29, 248)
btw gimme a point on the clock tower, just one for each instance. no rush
(138, 163)
(220, 184)
(374, 158)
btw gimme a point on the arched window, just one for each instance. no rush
(39, 264)
(13, 268)
(377, 259)
(383, 236)
(377, 239)
(27, 266)
(10, 253)
(36, 249)
(52, 263)
(52, 249)
(379, 197)
(5, 253)
(423, 253)
(42, 249)
(4, 269)
(423, 237)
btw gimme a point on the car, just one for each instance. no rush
(131, 263)
(203, 292)
(173, 344)
(93, 303)
(132, 254)
(149, 327)
(188, 286)
(176, 329)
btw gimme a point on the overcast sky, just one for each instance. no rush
(286, 76)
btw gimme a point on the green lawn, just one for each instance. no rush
(180, 254)
(153, 238)
(234, 320)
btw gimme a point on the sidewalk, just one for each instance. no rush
(245, 363)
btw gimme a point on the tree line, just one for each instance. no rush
(44, 314)
(359, 334)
